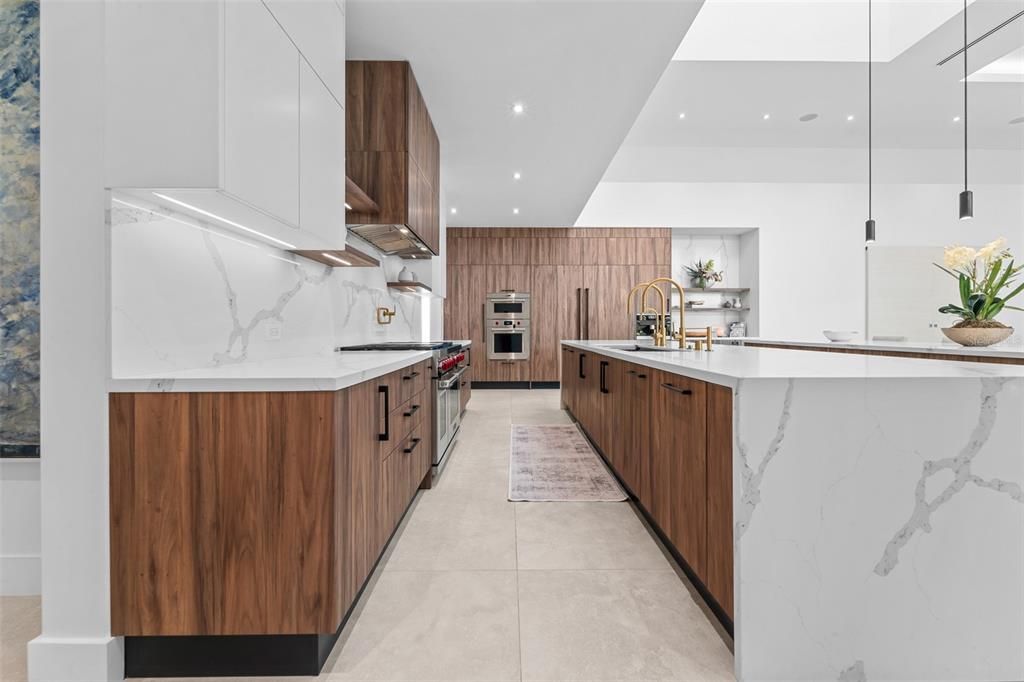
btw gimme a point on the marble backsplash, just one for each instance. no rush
(19, 227)
(186, 297)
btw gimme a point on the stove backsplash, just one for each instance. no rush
(184, 298)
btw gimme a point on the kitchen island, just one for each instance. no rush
(852, 517)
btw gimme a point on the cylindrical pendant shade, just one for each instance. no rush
(966, 204)
(869, 231)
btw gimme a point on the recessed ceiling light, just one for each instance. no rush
(766, 117)
(515, 211)
(517, 175)
(956, 119)
(850, 117)
(682, 115)
(454, 210)
(808, 117)
(518, 108)
(1017, 121)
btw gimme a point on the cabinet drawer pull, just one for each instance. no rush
(641, 376)
(415, 374)
(407, 377)
(601, 383)
(630, 371)
(684, 391)
(582, 374)
(415, 442)
(385, 390)
(412, 411)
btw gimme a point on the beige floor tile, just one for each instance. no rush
(486, 484)
(584, 535)
(19, 623)
(445, 533)
(444, 626)
(615, 625)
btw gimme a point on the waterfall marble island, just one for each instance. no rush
(859, 518)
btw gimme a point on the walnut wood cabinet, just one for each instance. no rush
(578, 279)
(258, 513)
(392, 148)
(669, 440)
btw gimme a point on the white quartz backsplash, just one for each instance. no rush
(184, 297)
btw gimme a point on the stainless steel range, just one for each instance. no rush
(449, 363)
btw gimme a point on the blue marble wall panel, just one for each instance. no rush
(19, 227)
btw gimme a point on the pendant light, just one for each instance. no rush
(967, 196)
(869, 225)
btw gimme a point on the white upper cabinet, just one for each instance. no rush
(261, 111)
(317, 28)
(322, 168)
(226, 108)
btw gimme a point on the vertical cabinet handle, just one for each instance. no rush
(582, 374)
(604, 367)
(385, 390)
(586, 307)
(579, 314)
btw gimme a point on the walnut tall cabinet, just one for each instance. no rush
(578, 279)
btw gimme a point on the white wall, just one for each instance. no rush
(19, 527)
(811, 235)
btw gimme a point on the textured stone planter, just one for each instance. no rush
(977, 336)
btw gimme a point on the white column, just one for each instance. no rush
(75, 643)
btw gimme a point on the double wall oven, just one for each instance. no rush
(450, 361)
(507, 325)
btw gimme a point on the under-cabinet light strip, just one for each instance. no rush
(223, 220)
(335, 258)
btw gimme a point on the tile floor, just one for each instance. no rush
(475, 588)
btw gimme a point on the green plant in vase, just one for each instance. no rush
(986, 279)
(703, 274)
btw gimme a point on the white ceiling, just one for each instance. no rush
(915, 103)
(583, 69)
(810, 30)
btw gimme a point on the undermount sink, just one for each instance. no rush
(642, 348)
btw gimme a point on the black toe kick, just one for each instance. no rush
(227, 655)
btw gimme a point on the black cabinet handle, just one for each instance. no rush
(604, 367)
(415, 442)
(641, 376)
(411, 412)
(630, 371)
(407, 377)
(415, 374)
(386, 390)
(684, 391)
(582, 375)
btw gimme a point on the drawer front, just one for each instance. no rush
(414, 453)
(413, 380)
(403, 419)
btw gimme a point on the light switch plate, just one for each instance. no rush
(273, 330)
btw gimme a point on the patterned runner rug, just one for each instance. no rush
(555, 463)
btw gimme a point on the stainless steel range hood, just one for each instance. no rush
(392, 240)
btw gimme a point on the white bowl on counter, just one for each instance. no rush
(839, 336)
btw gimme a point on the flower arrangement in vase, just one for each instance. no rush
(982, 276)
(703, 274)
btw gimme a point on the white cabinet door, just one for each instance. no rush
(322, 170)
(317, 27)
(261, 111)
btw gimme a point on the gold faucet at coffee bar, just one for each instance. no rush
(660, 334)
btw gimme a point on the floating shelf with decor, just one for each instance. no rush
(415, 288)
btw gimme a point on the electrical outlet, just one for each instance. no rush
(273, 330)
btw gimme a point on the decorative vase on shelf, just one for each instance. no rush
(406, 275)
(982, 275)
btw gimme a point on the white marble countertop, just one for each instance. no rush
(309, 373)
(726, 365)
(1012, 348)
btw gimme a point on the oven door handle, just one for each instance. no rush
(448, 382)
